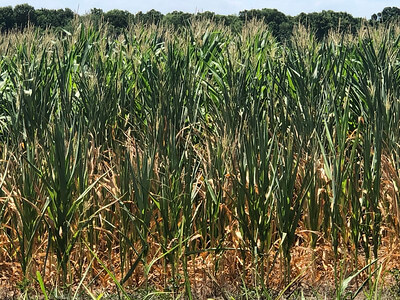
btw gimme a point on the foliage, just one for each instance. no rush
(118, 18)
(53, 18)
(324, 22)
(151, 17)
(280, 25)
(387, 15)
(24, 14)
(7, 18)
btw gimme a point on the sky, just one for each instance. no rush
(358, 8)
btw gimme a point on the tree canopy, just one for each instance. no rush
(281, 25)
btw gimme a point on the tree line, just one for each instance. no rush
(281, 25)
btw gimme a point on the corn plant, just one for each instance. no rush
(160, 148)
(30, 208)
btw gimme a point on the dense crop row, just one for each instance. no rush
(161, 148)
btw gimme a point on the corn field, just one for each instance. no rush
(196, 156)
